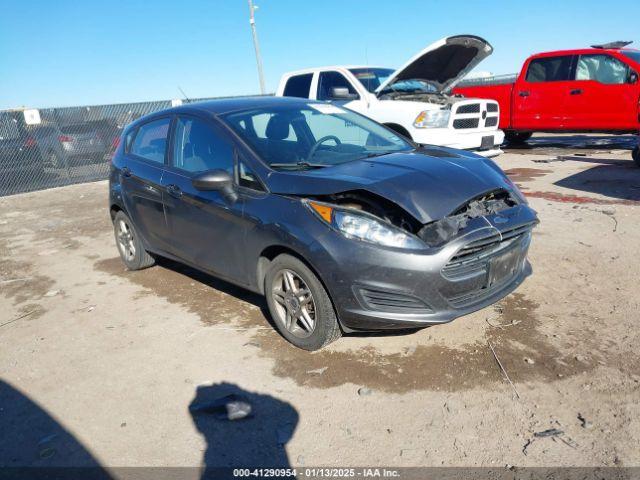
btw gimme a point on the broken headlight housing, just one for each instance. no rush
(363, 226)
(432, 119)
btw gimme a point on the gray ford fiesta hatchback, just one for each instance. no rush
(342, 224)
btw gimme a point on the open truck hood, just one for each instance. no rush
(428, 187)
(443, 63)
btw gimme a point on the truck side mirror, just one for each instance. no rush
(342, 93)
(633, 78)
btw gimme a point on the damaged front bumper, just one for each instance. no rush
(377, 288)
(483, 142)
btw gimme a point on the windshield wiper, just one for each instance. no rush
(298, 165)
(377, 154)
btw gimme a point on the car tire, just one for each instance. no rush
(293, 311)
(130, 247)
(517, 138)
(55, 161)
(636, 155)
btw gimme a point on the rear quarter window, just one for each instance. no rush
(298, 86)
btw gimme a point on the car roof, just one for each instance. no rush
(226, 105)
(583, 51)
(330, 67)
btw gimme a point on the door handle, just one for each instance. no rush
(126, 172)
(174, 190)
(576, 91)
(523, 93)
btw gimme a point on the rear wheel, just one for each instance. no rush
(517, 138)
(54, 160)
(133, 254)
(299, 304)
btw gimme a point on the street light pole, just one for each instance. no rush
(252, 21)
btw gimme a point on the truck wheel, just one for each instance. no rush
(517, 138)
(299, 304)
(636, 155)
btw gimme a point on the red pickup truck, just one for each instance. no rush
(587, 90)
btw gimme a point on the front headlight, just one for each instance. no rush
(364, 226)
(432, 119)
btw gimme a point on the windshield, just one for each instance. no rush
(371, 78)
(313, 135)
(410, 86)
(632, 54)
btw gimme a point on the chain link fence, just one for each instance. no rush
(52, 147)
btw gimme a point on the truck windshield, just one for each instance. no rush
(410, 86)
(371, 78)
(315, 135)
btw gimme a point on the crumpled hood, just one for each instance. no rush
(428, 187)
(443, 63)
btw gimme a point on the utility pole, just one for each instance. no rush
(252, 21)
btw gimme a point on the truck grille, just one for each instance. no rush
(491, 122)
(482, 114)
(466, 123)
(471, 108)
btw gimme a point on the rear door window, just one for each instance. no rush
(298, 86)
(549, 69)
(602, 68)
(150, 142)
(330, 80)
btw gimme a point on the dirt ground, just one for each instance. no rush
(99, 365)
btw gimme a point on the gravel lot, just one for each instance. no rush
(100, 365)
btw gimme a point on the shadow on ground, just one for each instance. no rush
(31, 437)
(255, 441)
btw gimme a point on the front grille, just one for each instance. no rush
(389, 301)
(473, 257)
(492, 107)
(470, 108)
(491, 122)
(461, 123)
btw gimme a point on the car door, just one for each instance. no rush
(141, 181)
(601, 96)
(331, 80)
(206, 226)
(539, 94)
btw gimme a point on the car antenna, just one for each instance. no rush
(184, 94)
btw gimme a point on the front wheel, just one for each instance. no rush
(299, 304)
(516, 138)
(132, 252)
(636, 155)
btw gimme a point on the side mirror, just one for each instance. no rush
(218, 180)
(633, 78)
(342, 93)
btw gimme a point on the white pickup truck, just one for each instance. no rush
(413, 100)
